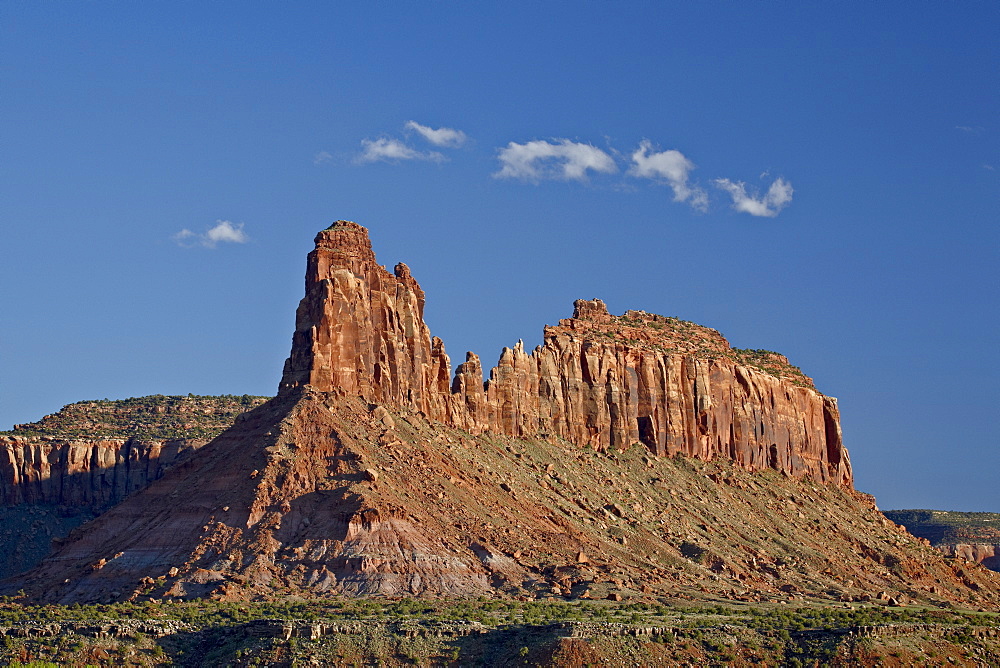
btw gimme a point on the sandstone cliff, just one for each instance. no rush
(987, 554)
(68, 467)
(973, 536)
(317, 495)
(376, 472)
(92, 454)
(597, 380)
(85, 474)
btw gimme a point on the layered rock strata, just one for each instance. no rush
(90, 455)
(597, 380)
(971, 536)
(316, 495)
(83, 474)
(375, 472)
(66, 468)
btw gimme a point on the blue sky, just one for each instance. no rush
(820, 180)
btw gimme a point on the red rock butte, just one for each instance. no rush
(597, 380)
(376, 472)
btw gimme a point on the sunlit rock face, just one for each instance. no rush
(597, 380)
(377, 471)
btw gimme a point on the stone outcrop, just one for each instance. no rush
(597, 380)
(84, 474)
(317, 495)
(66, 468)
(972, 536)
(90, 455)
(50, 485)
(983, 553)
(375, 471)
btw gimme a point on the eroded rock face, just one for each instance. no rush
(598, 379)
(283, 499)
(317, 495)
(375, 472)
(359, 330)
(92, 454)
(971, 536)
(987, 555)
(83, 474)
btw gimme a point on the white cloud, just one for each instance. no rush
(444, 137)
(224, 231)
(393, 150)
(670, 166)
(989, 167)
(769, 204)
(227, 232)
(971, 129)
(563, 159)
(321, 157)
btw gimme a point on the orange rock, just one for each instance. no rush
(597, 380)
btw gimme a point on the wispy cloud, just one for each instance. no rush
(390, 149)
(386, 149)
(672, 167)
(971, 129)
(564, 159)
(321, 157)
(989, 167)
(777, 197)
(568, 160)
(224, 231)
(443, 137)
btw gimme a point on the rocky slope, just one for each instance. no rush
(326, 496)
(627, 457)
(92, 454)
(969, 536)
(70, 466)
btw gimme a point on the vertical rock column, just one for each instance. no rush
(359, 330)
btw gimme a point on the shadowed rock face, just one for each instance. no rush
(92, 454)
(276, 501)
(318, 495)
(597, 380)
(83, 474)
(67, 467)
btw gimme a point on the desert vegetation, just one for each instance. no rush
(155, 417)
(487, 631)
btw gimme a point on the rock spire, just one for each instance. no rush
(597, 380)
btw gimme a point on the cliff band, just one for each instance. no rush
(376, 472)
(597, 380)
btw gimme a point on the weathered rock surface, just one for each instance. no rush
(983, 553)
(374, 472)
(597, 380)
(48, 486)
(272, 502)
(92, 454)
(83, 473)
(318, 495)
(972, 536)
(74, 464)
